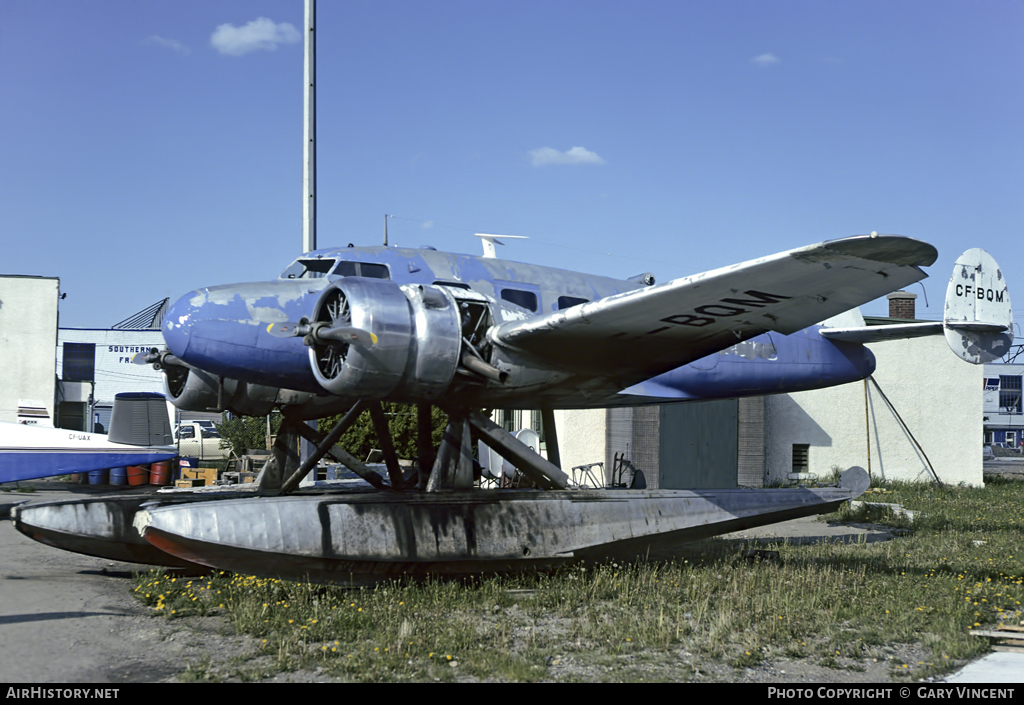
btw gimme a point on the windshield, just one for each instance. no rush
(308, 269)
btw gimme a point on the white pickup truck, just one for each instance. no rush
(197, 439)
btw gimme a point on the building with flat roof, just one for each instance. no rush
(28, 335)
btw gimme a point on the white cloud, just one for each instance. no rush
(576, 155)
(766, 60)
(259, 34)
(172, 44)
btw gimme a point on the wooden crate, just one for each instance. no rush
(209, 475)
(189, 483)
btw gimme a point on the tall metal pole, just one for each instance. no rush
(309, 133)
(306, 449)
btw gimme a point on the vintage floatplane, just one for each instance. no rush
(343, 329)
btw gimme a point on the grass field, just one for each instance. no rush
(840, 606)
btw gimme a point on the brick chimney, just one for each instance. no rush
(901, 304)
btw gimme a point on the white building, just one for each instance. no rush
(28, 335)
(934, 423)
(95, 364)
(73, 374)
(1003, 420)
(931, 426)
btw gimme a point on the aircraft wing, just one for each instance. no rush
(648, 331)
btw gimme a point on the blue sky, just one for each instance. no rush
(151, 147)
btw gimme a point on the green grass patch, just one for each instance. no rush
(958, 566)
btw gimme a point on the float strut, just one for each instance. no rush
(544, 474)
(325, 445)
(387, 446)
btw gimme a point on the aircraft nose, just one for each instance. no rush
(178, 321)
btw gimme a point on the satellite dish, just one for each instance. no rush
(531, 439)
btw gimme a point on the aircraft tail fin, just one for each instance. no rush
(140, 419)
(978, 319)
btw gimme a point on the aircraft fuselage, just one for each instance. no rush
(221, 333)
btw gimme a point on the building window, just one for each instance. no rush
(1009, 394)
(801, 454)
(79, 362)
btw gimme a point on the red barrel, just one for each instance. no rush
(138, 475)
(160, 473)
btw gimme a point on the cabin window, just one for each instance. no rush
(362, 269)
(570, 301)
(525, 299)
(308, 269)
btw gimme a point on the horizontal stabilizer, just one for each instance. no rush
(978, 322)
(876, 334)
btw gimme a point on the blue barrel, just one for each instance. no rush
(119, 476)
(98, 477)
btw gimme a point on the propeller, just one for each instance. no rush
(323, 332)
(155, 357)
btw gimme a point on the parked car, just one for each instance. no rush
(987, 453)
(196, 440)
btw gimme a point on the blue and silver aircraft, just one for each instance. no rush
(364, 324)
(421, 326)
(344, 329)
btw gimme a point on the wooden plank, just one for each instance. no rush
(1013, 636)
(1011, 649)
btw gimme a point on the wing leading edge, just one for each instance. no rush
(642, 333)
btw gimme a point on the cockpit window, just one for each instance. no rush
(308, 269)
(362, 269)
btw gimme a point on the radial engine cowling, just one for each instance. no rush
(192, 389)
(418, 340)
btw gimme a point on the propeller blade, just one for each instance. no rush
(158, 359)
(288, 329)
(146, 358)
(346, 334)
(323, 333)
